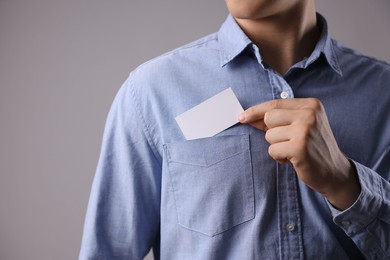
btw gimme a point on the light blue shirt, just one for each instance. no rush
(224, 197)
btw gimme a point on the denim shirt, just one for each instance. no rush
(224, 197)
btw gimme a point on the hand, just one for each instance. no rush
(298, 132)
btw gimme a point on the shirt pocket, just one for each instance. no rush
(212, 182)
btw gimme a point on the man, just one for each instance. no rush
(304, 175)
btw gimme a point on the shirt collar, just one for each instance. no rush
(233, 41)
(325, 46)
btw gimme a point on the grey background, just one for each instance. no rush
(61, 63)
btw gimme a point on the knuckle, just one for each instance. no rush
(315, 103)
(271, 151)
(267, 117)
(303, 132)
(311, 117)
(268, 135)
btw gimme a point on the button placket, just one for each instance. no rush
(280, 87)
(289, 216)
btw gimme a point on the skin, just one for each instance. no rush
(284, 30)
(297, 130)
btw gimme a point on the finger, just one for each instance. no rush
(279, 134)
(259, 125)
(280, 152)
(280, 117)
(257, 112)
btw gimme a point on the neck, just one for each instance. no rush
(284, 39)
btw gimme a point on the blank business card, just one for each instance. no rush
(211, 116)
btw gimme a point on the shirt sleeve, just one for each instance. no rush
(367, 221)
(122, 220)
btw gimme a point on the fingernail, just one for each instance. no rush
(241, 117)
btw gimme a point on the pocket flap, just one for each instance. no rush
(203, 152)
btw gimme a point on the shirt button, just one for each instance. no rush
(345, 223)
(290, 227)
(284, 95)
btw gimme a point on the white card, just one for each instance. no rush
(211, 116)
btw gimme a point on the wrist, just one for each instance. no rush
(345, 191)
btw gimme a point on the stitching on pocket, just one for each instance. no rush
(207, 154)
(214, 198)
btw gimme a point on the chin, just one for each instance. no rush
(257, 9)
(248, 15)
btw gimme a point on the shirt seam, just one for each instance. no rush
(335, 58)
(146, 131)
(210, 38)
(347, 50)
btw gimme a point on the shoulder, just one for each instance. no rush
(159, 82)
(350, 59)
(172, 61)
(175, 70)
